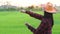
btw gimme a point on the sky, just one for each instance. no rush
(25, 3)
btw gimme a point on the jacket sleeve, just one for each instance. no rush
(42, 27)
(37, 16)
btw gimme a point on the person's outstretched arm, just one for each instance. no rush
(35, 15)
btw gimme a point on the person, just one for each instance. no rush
(47, 21)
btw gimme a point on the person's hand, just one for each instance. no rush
(23, 11)
(27, 24)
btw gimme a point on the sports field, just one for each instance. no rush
(14, 23)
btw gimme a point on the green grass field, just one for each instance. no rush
(14, 23)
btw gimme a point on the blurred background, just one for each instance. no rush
(25, 4)
(12, 21)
